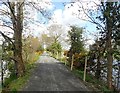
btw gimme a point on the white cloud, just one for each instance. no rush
(57, 17)
(65, 17)
(72, 15)
(31, 15)
(78, 9)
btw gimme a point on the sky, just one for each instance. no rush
(61, 13)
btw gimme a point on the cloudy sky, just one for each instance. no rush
(65, 14)
(61, 12)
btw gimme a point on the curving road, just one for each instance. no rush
(51, 75)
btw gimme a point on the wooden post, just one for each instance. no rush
(65, 60)
(57, 55)
(72, 62)
(60, 56)
(85, 69)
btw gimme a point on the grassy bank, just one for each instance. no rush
(92, 82)
(15, 84)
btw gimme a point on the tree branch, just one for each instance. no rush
(91, 19)
(7, 26)
(11, 10)
(8, 39)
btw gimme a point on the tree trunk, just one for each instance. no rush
(109, 70)
(18, 53)
(98, 71)
(17, 21)
(118, 84)
(18, 39)
(109, 57)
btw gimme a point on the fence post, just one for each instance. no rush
(65, 60)
(72, 62)
(85, 69)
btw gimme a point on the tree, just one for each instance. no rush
(30, 46)
(14, 12)
(45, 39)
(108, 23)
(76, 42)
(12, 17)
(97, 51)
(109, 17)
(17, 22)
(75, 35)
(40, 48)
(56, 32)
(54, 38)
(55, 48)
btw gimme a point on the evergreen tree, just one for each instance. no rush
(76, 41)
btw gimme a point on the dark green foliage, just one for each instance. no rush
(110, 34)
(75, 35)
(77, 46)
(9, 80)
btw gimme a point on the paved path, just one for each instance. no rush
(51, 75)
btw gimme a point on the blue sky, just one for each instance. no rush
(61, 13)
(59, 10)
(60, 5)
(89, 26)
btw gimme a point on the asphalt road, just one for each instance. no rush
(51, 75)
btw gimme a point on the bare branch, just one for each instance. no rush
(91, 19)
(8, 39)
(12, 11)
(7, 26)
(21, 4)
(40, 10)
(3, 12)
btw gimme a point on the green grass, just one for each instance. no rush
(15, 84)
(18, 83)
(100, 85)
(92, 80)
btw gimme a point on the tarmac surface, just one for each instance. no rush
(52, 75)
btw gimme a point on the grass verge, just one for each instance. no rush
(92, 82)
(15, 84)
